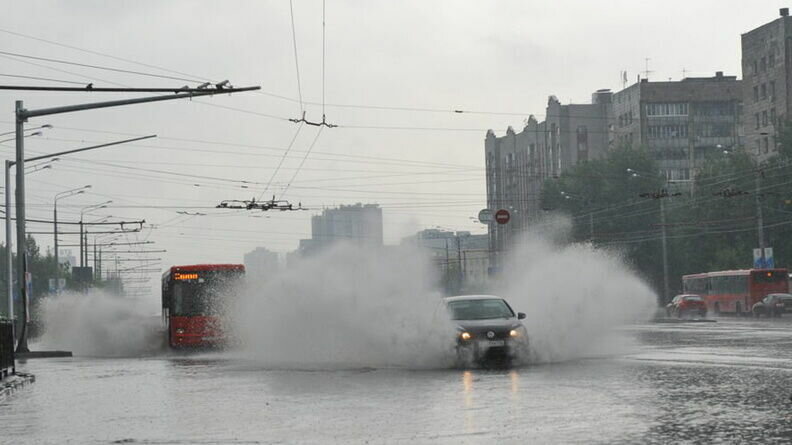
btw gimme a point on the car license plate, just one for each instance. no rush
(492, 343)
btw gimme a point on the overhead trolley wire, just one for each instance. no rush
(296, 61)
(99, 67)
(316, 138)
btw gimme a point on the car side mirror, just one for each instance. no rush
(520, 315)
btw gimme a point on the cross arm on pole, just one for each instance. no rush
(24, 115)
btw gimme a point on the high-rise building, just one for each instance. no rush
(767, 84)
(261, 263)
(360, 224)
(681, 123)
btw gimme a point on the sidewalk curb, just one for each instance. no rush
(14, 383)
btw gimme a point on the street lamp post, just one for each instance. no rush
(62, 195)
(84, 242)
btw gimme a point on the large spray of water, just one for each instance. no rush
(347, 307)
(98, 324)
(575, 296)
(351, 306)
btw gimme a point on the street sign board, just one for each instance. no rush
(502, 216)
(768, 258)
(485, 216)
(763, 259)
(82, 274)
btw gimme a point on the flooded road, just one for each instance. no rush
(726, 382)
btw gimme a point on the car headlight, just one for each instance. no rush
(465, 336)
(514, 333)
(180, 331)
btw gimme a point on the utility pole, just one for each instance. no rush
(661, 196)
(96, 269)
(81, 243)
(591, 227)
(447, 268)
(9, 257)
(759, 215)
(460, 272)
(20, 223)
(666, 288)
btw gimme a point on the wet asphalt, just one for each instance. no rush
(723, 382)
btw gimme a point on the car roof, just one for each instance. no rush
(780, 294)
(471, 297)
(688, 295)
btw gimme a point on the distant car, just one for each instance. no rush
(686, 304)
(488, 330)
(773, 305)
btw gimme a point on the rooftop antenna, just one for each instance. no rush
(647, 71)
(684, 73)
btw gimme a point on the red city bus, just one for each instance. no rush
(736, 291)
(193, 300)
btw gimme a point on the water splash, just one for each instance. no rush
(348, 307)
(97, 324)
(575, 296)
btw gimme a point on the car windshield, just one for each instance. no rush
(692, 298)
(479, 309)
(780, 297)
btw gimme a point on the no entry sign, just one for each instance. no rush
(502, 216)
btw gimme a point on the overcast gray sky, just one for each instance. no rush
(494, 56)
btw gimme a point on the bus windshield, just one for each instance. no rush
(202, 296)
(769, 276)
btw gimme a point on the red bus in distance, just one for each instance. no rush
(736, 291)
(194, 299)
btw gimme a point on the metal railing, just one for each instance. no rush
(6, 349)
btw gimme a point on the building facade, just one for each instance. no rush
(767, 84)
(359, 223)
(680, 123)
(261, 263)
(517, 164)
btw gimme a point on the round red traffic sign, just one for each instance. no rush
(502, 216)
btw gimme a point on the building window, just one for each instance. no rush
(758, 120)
(773, 116)
(763, 65)
(755, 67)
(771, 60)
(758, 146)
(667, 131)
(582, 143)
(667, 109)
(772, 90)
(714, 130)
(764, 118)
(756, 93)
(765, 144)
(763, 95)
